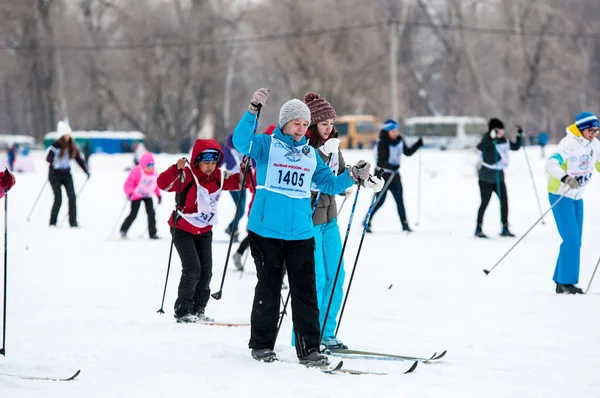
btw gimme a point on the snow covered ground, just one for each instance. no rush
(79, 300)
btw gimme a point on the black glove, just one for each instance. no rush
(519, 130)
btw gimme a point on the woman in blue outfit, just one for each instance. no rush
(571, 167)
(280, 224)
(328, 242)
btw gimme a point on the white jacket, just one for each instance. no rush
(575, 156)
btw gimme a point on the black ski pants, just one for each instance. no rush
(195, 252)
(486, 189)
(395, 188)
(135, 207)
(66, 180)
(269, 257)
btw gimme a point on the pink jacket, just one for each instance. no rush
(140, 184)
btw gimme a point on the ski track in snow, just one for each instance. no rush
(78, 300)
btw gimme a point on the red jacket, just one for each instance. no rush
(168, 180)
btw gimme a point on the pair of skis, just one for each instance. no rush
(360, 354)
(339, 368)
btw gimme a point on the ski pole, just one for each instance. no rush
(362, 238)
(537, 197)
(3, 349)
(36, 200)
(287, 300)
(76, 196)
(175, 219)
(591, 279)
(487, 272)
(385, 187)
(118, 219)
(339, 266)
(219, 294)
(419, 190)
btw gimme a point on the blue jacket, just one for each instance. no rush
(275, 215)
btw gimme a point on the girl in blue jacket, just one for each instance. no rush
(280, 225)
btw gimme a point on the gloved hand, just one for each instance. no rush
(493, 134)
(129, 197)
(519, 130)
(259, 99)
(360, 171)
(245, 162)
(332, 145)
(88, 174)
(571, 182)
(7, 180)
(373, 182)
(159, 199)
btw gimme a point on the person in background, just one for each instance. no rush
(570, 168)
(232, 159)
(139, 187)
(389, 151)
(12, 156)
(494, 149)
(60, 156)
(542, 140)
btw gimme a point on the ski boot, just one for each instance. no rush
(187, 318)
(202, 317)
(479, 232)
(406, 227)
(567, 289)
(314, 359)
(332, 343)
(506, 232)
(264, 355)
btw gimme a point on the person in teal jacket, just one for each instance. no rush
(280, 225)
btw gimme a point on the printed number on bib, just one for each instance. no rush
(583, 180)
(289, 177)
(206, 217)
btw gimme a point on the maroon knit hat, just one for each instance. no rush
(320, 109)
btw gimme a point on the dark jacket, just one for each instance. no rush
(490, 156)
(383, 152)
(58, 166)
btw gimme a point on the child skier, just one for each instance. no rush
(191, 225)
(139, 187)
(570, 169)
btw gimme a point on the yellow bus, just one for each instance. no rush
(357, 131)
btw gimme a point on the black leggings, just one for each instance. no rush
(486, 189)
(56, 181)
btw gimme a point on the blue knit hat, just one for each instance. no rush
(390, 125)
(586, 120)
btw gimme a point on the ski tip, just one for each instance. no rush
(74, 376)
(338, 366)
(412, 368)
(441, 355)
(391, 284)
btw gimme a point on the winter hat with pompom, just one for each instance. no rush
(320, 109)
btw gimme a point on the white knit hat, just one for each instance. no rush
(293, 109)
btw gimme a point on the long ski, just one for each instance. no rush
(340, 369)
(359, 354)
(229, 324)
(42, 378)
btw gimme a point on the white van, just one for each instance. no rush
(447, 132)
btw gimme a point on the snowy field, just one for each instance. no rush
(79, 300)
